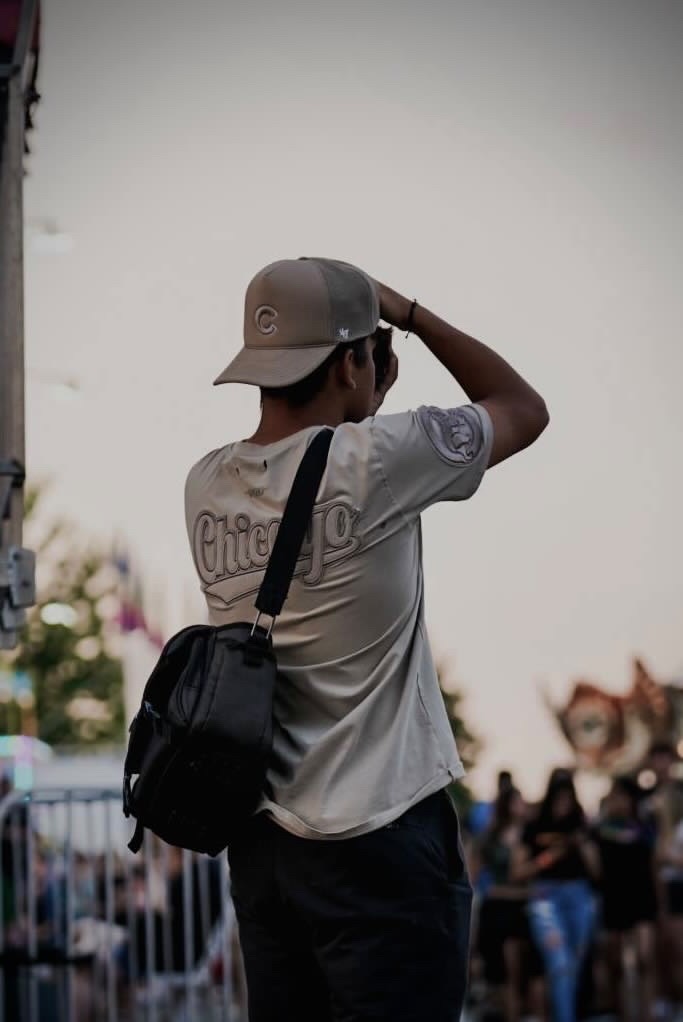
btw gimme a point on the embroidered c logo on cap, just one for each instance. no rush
(264, 319)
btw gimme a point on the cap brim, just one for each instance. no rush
(274, 367)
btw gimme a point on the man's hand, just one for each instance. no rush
(393, 307)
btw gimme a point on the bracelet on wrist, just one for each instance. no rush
(411, 317)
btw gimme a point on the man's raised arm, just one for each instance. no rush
(518, 412)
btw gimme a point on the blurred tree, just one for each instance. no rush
(67, 647)
(469, 745)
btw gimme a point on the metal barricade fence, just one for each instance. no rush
(90, 932)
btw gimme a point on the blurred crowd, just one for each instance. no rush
(137, 926)
(580, 917)
(577, 915)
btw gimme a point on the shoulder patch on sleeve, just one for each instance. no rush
(455, 433)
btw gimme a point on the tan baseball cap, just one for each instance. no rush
(296, 312)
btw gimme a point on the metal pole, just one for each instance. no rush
(6, 806)
(69, 876)
(12, 452)
(112, 1010)
(32, 892)
(167, 923)
(226, 939)
(11, 333)
(150, 931)
(93, 880)
(188, 922)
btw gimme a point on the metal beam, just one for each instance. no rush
(12, 292)
(12, 97)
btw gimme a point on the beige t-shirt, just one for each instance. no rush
(361, 732)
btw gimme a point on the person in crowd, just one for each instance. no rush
(559, 859)
(199, 889)
(626, 843)
(503, 928)
(667, 805)
(665, 801)
(664, 808)
(480, 814)
(177, 925)
(671, 859)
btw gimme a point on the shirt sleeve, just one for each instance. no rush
(433, 454)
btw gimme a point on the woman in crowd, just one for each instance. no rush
(670, 856)
(559, 860)
(503, 932)
(629, 897)
(663, 808)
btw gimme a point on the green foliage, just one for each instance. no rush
(469, 745)
(77, 681)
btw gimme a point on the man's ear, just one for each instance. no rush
(346, 370)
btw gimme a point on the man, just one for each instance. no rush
(350, 889)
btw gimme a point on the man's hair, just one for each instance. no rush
(298, 394)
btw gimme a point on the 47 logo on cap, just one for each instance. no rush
(264, 319)
(343, 332)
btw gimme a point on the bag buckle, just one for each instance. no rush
(256, 622)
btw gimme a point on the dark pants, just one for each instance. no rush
(368, 929)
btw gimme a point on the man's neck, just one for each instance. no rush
(279, 420)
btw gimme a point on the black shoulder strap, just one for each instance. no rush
(290, 535)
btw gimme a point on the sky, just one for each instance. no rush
(516, 166)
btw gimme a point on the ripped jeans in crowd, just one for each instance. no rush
(562, 918)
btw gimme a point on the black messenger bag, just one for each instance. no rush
(201, 741)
